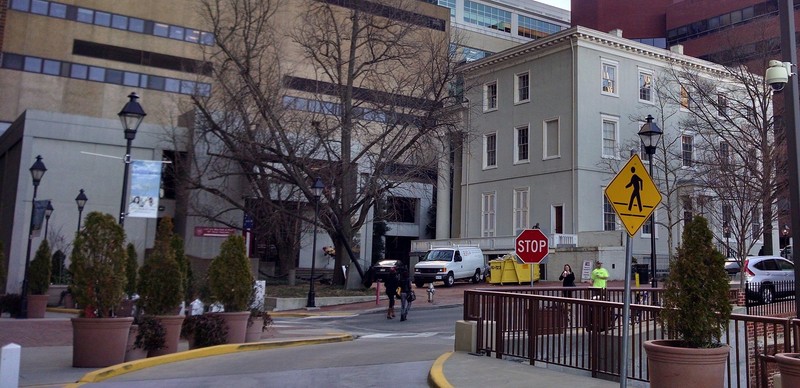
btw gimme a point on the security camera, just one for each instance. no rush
(778, 74)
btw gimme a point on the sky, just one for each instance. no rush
(558, 3)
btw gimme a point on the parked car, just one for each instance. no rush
(382, 269)
(732, 266)
(768, 278)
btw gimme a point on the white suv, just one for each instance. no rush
(768, 277)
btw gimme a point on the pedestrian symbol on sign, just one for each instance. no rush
(633, 195)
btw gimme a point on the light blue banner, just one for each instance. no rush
(145, 185)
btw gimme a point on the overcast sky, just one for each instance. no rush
(558, 3)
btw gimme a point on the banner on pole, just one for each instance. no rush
(145, 186)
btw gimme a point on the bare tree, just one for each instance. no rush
(357, 95)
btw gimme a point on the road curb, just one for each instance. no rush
(436, 377)
(132, 366)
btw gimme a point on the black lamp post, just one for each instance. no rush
(650, 134)
(726, 232)
(48, 211)
(131, 117)
(81, 201)
(37, 172)
(317, 190)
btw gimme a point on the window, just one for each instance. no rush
(490, 150)
(486, 16)
(400, 209)
(535, 28)
(551, 139)
(722, 105)
(645, 86)
(610, 137)
(449, 4)
(687, 150)
(522, 88)
(727, 212)
(521, 144)
(119, 22)
(684, 98)
(724, 154)
(609, 215)
(609, 74)
(646, 226)
(688, 210)
(490, 96)
(521, 209)
(488, 203)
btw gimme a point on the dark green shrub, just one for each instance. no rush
(39, 271)
(58, 272)
(160, 278)
(131, 267)
(206, 329)
(696, 306)
(229, 277)
(257, 313)
(151, 335)
(98, 265)
(186, 269)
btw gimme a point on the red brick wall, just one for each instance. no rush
(634, 19)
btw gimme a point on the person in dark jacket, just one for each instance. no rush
(391, 284)
(405, 294)
(567, 279)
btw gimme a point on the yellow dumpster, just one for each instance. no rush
(510, 269)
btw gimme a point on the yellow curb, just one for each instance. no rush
(297, 314)
(63, 310)
(436, 376)
(132, 366)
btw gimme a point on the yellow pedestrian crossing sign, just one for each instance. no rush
(633, 194)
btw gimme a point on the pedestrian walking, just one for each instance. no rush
(567, 280)
(391, 284)
(406, 294)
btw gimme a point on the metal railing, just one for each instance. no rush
(584, 333)
(770, 298)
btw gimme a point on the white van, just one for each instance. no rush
(450, 264)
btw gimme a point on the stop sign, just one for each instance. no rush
(532, 246)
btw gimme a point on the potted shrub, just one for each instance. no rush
(39, 281)
(161, 287)
(696, 309)
(257, 323)
(131, 269)
(97, 284)
(204, 330)
(231, 284)
(146, 335)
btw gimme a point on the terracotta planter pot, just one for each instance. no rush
(99, 342)
(37, 306)
(132, 353)
(237, 326)
(254, 331)
(172, 327)
(789, 365)
(69, 302)
(673, 366)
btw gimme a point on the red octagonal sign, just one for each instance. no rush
(532, 246)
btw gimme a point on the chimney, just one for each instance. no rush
(678, 49)
(616, 32)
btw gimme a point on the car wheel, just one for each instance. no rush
(477, 277)
(419, 284)
(767, 295)
(449, 280)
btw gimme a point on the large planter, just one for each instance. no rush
(254, 330)
(789, 365)
(172, 327)
(133, 353)
(237, 326)
(674, 366)
(99, 342)
(37, 305)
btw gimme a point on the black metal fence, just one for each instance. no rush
(582, 331)
(770, 298)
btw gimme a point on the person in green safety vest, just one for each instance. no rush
(599, 277)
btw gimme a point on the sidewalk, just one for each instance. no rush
(47, 350)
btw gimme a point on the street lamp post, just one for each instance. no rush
(37, 172)
(726, 231)
(650, 134)
(48, 211)
(81, 201)
(317, 190)
(131, 117)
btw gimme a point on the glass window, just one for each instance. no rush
(143, 82)
(79, 71)
(20, 5)
(609, 78)
(192, 35)
(722, 105)
(522, 146)
(490, 96)
(39, 7)
(114, 76)
(156, 82)
(160, 29)
(119, 22)
(609, 215)
(172, 85)
(609, 138)
(486, 16)
(535, 28)
(97, 74)
(645, 86)
(130, 79)
(688, 209)
(102, 18)
(52, 67)
(204, 89)
(58, 10)
(176, 32)
(136, 25)
(686, 150)
(449, 4)
(490, 150)
(646, 226)
(187, 87)
(207, 38)
(521, 209)
(684, 98)
(522, 87)
(488, 204)
(13, 61)
(33, 64)
(85, 15)
(471, 54)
